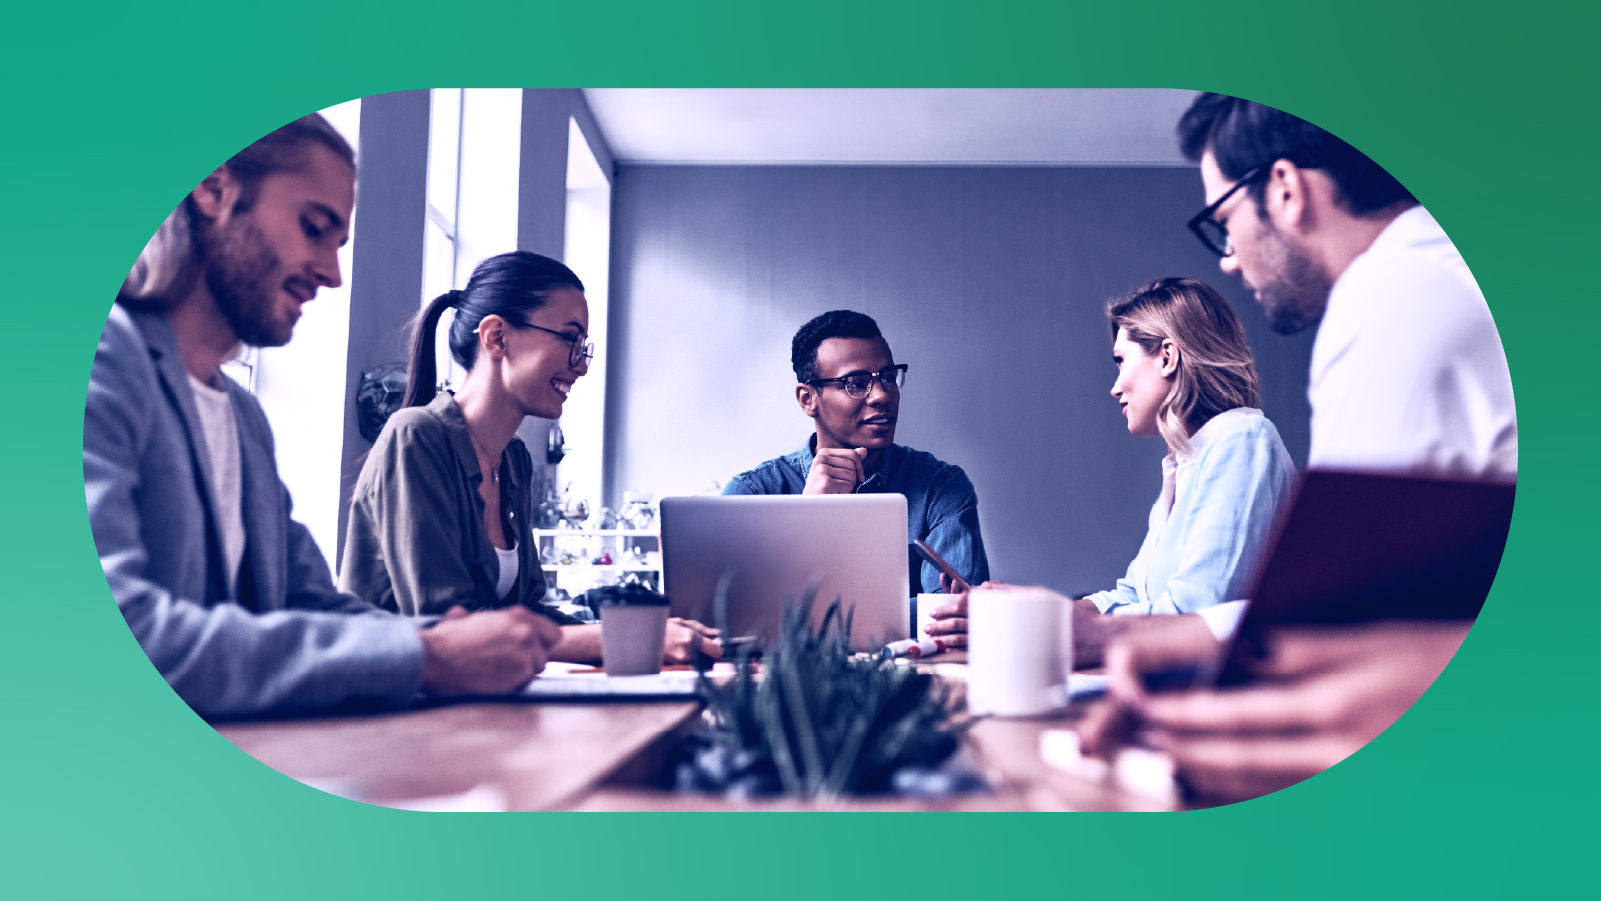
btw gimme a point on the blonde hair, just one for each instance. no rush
(168, 265)
(1215, 369)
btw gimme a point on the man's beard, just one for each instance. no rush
(1297, 294)
(239, 265)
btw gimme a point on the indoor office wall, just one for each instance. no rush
(386, 276)
(293, 382)
(513, 188)
(990, 282)
(556, 125)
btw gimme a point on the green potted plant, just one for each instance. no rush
(821, 721)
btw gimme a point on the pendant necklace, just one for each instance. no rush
(494, 471)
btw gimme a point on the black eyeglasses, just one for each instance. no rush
(1214, 234)
(859, 384)
(582, 351)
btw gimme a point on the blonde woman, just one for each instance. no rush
(1185, 374)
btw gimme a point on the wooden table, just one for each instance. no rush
(515, 756)
(601, 757)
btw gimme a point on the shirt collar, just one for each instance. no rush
(1408, 228)
(1403, 230)
(445, 409)
(1206, 432)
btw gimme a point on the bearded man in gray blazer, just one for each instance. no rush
(227, 595)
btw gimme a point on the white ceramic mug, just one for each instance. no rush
(1019, 650)
(926, 604)
(631, 637)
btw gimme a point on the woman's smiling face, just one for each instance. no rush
(1143, 382)
(539, 371)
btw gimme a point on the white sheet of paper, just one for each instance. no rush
(671, 684)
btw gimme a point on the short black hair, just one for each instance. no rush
(833, 324)
(1243, 135)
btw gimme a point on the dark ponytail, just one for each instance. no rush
(510, 286)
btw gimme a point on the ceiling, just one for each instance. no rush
(806, 126)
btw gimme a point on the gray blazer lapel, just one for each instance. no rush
(168, 360)
(175, 380)
(264, 507)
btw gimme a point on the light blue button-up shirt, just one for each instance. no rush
(1212, 521)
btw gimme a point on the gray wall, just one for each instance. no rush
(386, 277)
(990, 282)
(386, 272)
(542, 209)
(542, 179)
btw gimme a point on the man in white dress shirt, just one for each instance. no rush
(1407, 376)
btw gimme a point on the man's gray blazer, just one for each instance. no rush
(290, 642)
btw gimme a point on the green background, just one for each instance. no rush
(111, 786)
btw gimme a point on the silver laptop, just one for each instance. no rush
(855, 544)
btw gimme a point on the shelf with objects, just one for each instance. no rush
(579, 551)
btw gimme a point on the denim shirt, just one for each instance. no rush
(941, 505)
(1212, 521)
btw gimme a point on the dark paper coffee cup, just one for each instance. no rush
(633, 627)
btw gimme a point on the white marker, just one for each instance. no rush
(913, 648)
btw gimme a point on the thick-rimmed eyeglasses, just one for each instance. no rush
(1214, 234)
(582, 351)
(860, 384)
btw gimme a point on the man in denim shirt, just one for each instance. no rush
(850, 385)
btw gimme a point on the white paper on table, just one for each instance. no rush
(562, 668)
(599, 685)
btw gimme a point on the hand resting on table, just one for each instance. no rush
(1092, 629)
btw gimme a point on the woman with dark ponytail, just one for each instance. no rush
(440, 517)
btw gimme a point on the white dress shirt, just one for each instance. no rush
(1408, 374)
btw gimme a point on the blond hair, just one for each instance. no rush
(1216, 371)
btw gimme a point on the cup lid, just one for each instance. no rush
(631, 595)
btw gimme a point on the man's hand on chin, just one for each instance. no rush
(835, 470)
